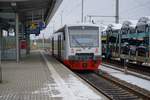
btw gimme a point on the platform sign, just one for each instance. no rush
(33, 31)
(42, 25)
(35, 27)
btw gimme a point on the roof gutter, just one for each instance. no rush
(52, 10)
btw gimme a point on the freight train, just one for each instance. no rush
(110, 41)
(129, 41)
(78, 46)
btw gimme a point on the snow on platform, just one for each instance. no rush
(33, 79)
(70, 85)
(145, 84)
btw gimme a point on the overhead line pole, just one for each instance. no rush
(90, 16)
(43, 40)
(82, 12)
(61, 18)
(117, 11)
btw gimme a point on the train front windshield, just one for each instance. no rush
(84, 37)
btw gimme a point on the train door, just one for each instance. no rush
(59, 46)
(62, 45)
(108, 43)
(116, 45)
(52, 46)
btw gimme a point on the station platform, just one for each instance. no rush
(41, 77)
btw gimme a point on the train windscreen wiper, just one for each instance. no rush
(77, 42)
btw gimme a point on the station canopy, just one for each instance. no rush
(28, 10)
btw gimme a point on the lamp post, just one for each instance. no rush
(117, 12)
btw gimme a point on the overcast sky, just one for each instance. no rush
(71, 12)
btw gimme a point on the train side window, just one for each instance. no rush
(124, 31)
(64, 36)
(141, 29)
(132, 31)
(147, 29)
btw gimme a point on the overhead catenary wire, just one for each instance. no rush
(73, 8)
(135, 10)
(130, 10)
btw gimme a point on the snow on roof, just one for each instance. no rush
(129, 23)
(114, 26)
(144, 20)
(134, 23)
(83, 24)
(78, 24)
(104, 28)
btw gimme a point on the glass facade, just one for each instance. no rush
(8, 39)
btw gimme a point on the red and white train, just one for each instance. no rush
(78, 46)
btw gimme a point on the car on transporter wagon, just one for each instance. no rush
(78, 46)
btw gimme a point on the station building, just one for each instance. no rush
(19, 19)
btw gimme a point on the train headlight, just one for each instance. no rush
(96, 50)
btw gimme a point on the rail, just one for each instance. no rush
(113, 88)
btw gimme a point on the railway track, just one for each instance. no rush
(113, 88)
(131, 67)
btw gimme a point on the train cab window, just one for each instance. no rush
(125, 40)
(115, 32)
(109, 32)
(147, 29)
(141, 29)
(124, 31)
(146, 40)
(103, 33)
(132, 30)
(89, 37)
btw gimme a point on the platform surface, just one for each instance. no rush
(41, 77)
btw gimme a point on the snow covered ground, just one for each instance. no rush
(69, 85)
(140, 82)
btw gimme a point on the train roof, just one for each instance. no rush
(79, 24)
(82, 24)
